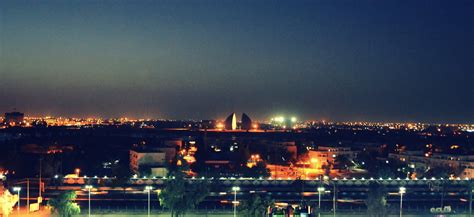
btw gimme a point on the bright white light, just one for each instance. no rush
(321, 189)
(236, 188)
(293, 119)
(16, 188)
(402, 190)
(279, 119)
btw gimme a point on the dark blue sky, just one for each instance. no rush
(339, 60)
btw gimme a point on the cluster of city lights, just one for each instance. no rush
(283, 119)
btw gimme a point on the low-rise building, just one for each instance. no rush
(154, 161)
(462, 163)
(327, 155)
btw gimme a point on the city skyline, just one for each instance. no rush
(350, 61)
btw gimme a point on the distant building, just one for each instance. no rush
(153, 161)
(14, 118)
(416, 159)
(327, 155)
(208, 124)
(276, 148)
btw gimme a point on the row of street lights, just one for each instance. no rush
(402, 190)
(148, 189)
(235, 189)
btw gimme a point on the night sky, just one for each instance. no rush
(337, 60)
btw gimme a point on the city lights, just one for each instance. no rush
(241, 108)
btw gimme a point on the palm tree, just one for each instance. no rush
(179, 195)
(255, 206)
(376, 201)
(64, 204)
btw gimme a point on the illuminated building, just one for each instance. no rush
(327, 155)
(154, 161)
(417, 159)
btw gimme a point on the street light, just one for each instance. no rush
(235, 189)
(320, 190)
(89, 188)
(18, 190)
(77, 171)
(334, 200)
(402, 191)
(148, 190)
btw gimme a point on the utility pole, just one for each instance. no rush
(235, 189)
(320, 191)
(402, 190)
(28, 195)
(470, 198)
(40, 170)
(334, 199)
(148, 190)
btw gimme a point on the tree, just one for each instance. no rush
(121, 172)
(255, 206)
(376, 201)
(7, 201)
(179, 195)
(64, 204)
(342, 162)
(51, 165)
(327, 168)
(257, 171)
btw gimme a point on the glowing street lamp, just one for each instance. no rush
(402, 190)
(89, 188)
(235, 189)
(320, 191)
(148, 190)
(18, 190)
(77, 171)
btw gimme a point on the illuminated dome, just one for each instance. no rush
(231, 122)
